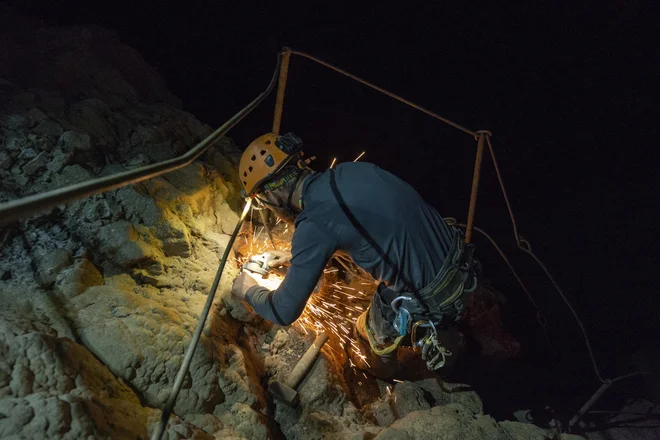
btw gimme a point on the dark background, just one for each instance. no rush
(567, 88)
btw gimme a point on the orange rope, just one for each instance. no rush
(526, 247)
(386, 92)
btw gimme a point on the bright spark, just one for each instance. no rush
(358, 158)
(270, 283)
(334, 308)
(333, 162)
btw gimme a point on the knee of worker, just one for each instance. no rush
(363, 326)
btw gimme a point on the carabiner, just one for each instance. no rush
(395, 303)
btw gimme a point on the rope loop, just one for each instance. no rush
(524, 245)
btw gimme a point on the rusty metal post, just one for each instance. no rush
(475, 184)
(599, 392)
(281, 87)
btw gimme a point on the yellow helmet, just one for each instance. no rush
(264, 158)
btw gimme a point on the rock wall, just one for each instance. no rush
(101, 296)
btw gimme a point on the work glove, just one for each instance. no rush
(241, 285)
(281, 258)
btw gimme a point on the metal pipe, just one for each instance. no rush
(281, 87)
(475, 185)
(171, 400)
(599, 392)
(17, 209)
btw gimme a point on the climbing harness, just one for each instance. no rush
(442, 301)
(433, 352)
(392, 316)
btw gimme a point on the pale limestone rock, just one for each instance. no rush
(36, 164)
(51, 264)
(73, 174)
(228, 217)
(408, 398)
(120, 242)
(59, 160)
(143, 341)
(48, 128)
(75, 140)
(174, 237)
(78, 278)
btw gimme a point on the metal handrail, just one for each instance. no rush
(16, 209)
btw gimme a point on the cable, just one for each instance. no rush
(504, 193)
(626, 376)
(539, 316)
(386, 92)
(526, 247)
(16, 209)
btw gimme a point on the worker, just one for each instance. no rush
(424, 267)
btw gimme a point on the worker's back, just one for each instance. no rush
(380, 220)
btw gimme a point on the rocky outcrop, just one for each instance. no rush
(53, 387)
(102, 295)
(424, 409)
(455, 422)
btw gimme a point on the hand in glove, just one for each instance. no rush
(281, 258)
(241, 285)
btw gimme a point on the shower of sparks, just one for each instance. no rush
(333, 308)
(270, 283)
(333, 162)
(358, 158)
